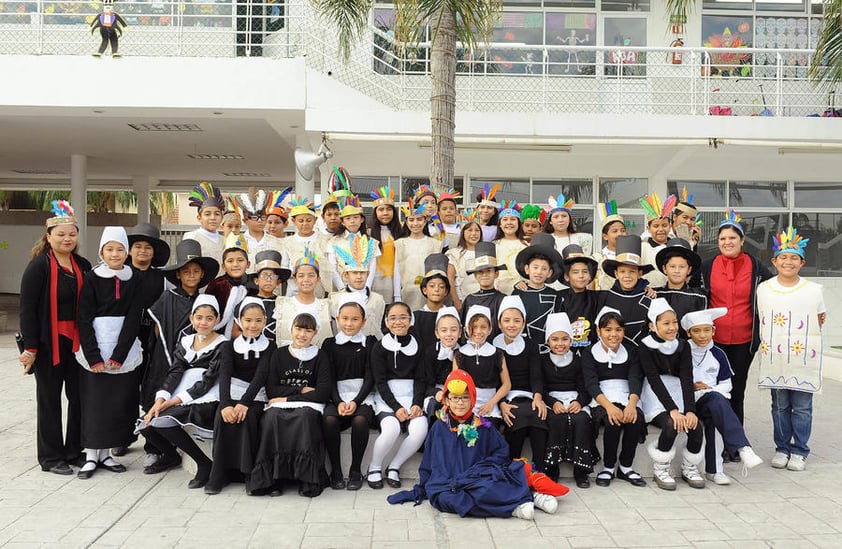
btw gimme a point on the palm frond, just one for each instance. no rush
(351, 18)
(826, 66)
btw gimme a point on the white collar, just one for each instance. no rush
(664, 347)
(601, 354)
(243, 345)
(391, 344)
(310, 238)
(446, 353)
(470, 349)
(342, 339)
(304, 354)
(514, 348)
(214, 236)
(104, 271)
(562, 360)
(608, 254)
(191, 354)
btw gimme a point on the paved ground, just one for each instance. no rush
(769, 508)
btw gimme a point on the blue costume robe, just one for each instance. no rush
(478, 481)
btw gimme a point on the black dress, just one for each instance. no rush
(633, 306)
(683, 301)
(539, 304)
(487, 298)
(484, 365)
(291, 441)
(571, 435)
(242, 377)
(524, 369)
(352, 379)
(437, 369)
(424, 328)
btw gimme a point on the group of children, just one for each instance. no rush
(299, 337)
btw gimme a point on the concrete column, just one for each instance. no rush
(304, 187)
(142, 185)
(79, 194)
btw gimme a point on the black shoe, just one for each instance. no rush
(392, 482)
(604, 478)
(276, 492)
(197, 483)
(632, 477)
(375, 484)
(355, 481)
(85, 475)
(337, 481)
(114, 467)
(212, 490)
(309, 489)
(60, 468)
(119, 451)
(582, 481)
(165, 463)
(78, 461)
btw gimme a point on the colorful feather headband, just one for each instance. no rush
(301, 205)
(412, 209)
(533, 211)
(487, 195)
(308, 258)
(349, 205)
(686, 198)
(358, 255)
(686, 204)
(231, 206)
(468, 215)
(509, 207)
(449, 194)
(63, 214)
(205, 195)
(732, 219)
(609, 213)
(383, 195)
(436, 222)
(789, 241)
(339, 180)
(698, 221)
(253, 201)
(558, 204)
(655, 209)
(276, 203)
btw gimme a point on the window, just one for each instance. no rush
(571, 29)
(824, 251)
(703, 193)
(625, 5)
(580, 190)
(758, 194)
(728, 31)
(626, 191)
(817, 195)
(518, 28)
(625, 32)
(510, 189)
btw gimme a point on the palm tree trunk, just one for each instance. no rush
(443, 96)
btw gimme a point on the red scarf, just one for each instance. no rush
(54, 267)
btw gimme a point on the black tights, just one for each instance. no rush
(537, 441)
(359, 441)
(695, 437)
(611, 439)
(170, 438)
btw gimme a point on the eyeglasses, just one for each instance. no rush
(463, 398)
(399, 318)
(259, 217)
(268, 276)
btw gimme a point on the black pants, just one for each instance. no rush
(740, 357)
(54, 446)
(611, 434)
(695, 437)
(109, 35)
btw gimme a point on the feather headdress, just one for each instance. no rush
(357, 256)
(686, 198)
(383, 195)
(412, 209)
(609, 213)
(308, 258)
(559, 203)
(468, 215)
(732, 219)
(253, 201)
(655, 209)
(533, 211)
(449, 194)
(339, 180)
(349, 205)
(789, 241)
(686, 203)
(231, 206)
(276, 203)
(205, 195)
(301, 205)
(441, 232)
(698, 221)
(486, 197)
(509, 207)
(63, 214)
(422, 191)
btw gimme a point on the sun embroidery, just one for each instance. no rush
(780, 319)
(764, 347)
(797, 347)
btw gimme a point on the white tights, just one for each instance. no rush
(390, 430)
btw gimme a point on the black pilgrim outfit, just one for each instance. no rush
(633, 306)
(438, 363)
(683, 301)
(487, 298)
(539, 304)
(581, 309)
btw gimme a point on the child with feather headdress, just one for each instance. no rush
(253, 206)
(356, 257)
(657, 233)
(208, 200)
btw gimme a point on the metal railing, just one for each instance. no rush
(501, 77)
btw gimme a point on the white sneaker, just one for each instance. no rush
(151, 459)
(525, 511)
(691, 475)
(796, 463)
(545, 502)
(718, 478)
(749, 458)
(662, 476)
(780, 460)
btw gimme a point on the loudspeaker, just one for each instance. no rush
(306, 162)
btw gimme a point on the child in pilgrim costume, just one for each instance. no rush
(792, 312)
(569, 419)
(558, 222)
(438, 358)
(291, 440)
(466, 468)
(580, 302)
(486, 364)
(352, 393)
(306, 238)
(613, 378)
(410, 252)
(305, 273)
(630, 293)
(540, 264)
(461, 259)
(667, 397)
(400, 379)
(657, 233)
(109, 315)
(435, 287)
(509, 243)
(524, 411)
(233, 286)
(189, 396)
(208, 200)
(487, 212)
(612, 227)
(680, 264)
(356, 255)
(384, 227)
(253, 206)
(712, 386)
(485, 270)
(242, 397)
(268, 276)
(353, 225)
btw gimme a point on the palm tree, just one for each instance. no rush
(826, 67)
(466, 21)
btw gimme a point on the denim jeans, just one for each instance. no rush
(792, 419)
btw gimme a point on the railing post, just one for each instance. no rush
(779, 84)
(545, 80)
(179, 18)
(40, 45)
